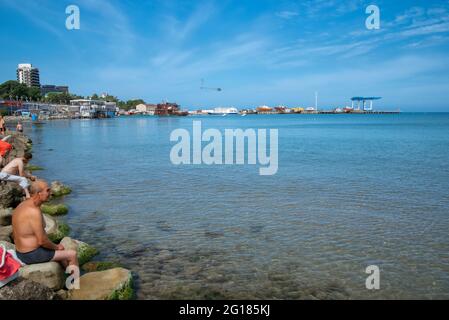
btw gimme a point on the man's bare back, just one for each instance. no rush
(14, 167)
(24, 215)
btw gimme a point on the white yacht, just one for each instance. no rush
(223, 111)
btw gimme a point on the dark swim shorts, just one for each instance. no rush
(40, 255)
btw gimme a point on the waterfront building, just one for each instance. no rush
(50, 88)
(146, 108)
(88, 108)
(298, 110)
(28, 75)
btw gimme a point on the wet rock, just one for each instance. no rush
(84, 251)
(26, 289)
(113, 284)
(164, 255)
(214, 234)
(8, 245)
(49, 274)
(5, 233)
(59, 190)
(54, 209)
(5, 217)
(63, 294)
(137, 251)
(100, 266)
(192, 270)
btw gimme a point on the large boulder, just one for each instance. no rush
(59, 190)
(56, 231)
(100, 266)
(50, 274)
(25, 289)
(5, 217)
(84, 251)
(51, 225)
(11, 194)
(113, 284)
(5, 233)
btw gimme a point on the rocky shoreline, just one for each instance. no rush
(47, 281)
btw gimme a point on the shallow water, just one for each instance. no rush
(351, 191)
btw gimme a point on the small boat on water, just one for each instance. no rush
(223, 111)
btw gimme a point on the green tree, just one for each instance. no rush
(110, 98)
(34, 93)
(58, 98)
(131, 104)
(14, 90)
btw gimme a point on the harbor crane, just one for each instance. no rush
(208, 88)
(364, 100)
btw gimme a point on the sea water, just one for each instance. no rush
(351, 191)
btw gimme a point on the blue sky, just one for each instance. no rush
(260, 52)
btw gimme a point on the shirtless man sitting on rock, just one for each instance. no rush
(15, 172)
(30, 238)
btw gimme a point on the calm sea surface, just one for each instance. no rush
(351, 191)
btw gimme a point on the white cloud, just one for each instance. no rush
(287, 14)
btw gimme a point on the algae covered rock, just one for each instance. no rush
(84, 251)
(59, 190)
(100, 266)
(54, 209)
(56, 231)
(49, 274)
(32, 167)
(113, 284)
(62, 231)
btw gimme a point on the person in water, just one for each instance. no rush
(15, 172)
(19, 127)
(2, 126)
(31, 240)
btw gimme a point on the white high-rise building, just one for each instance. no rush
(29, 75)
